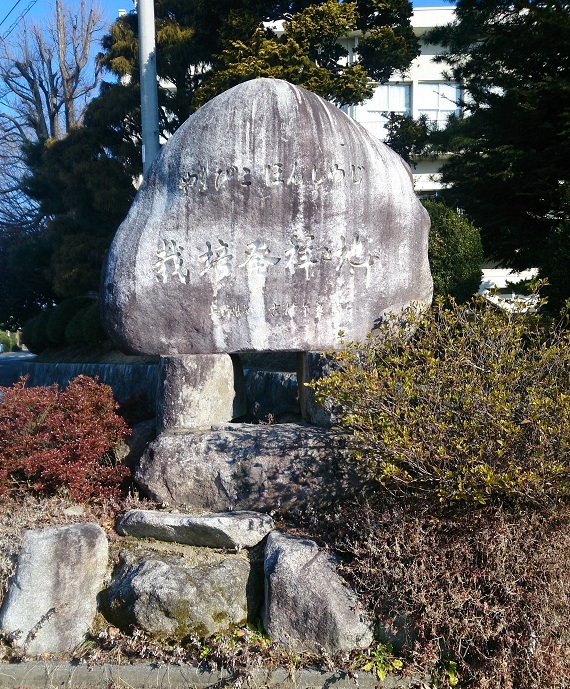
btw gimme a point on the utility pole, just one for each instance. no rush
(149, 86)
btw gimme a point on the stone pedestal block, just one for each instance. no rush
(311, 367)
(199, 391)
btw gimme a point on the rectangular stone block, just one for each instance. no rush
(199, 391)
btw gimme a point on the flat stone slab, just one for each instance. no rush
(245, 467)
(234, 530)
(299, 226)
(52, 599)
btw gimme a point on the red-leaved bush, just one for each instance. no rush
(52, 439)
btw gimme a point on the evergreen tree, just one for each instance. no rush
(204, 48)
(511, 168)
(84, 187)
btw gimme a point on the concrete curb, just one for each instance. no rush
(55, 675)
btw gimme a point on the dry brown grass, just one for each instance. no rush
(28, 512)
(487, 589)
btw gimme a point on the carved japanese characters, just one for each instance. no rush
(270, 221)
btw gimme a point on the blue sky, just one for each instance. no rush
(431, 3)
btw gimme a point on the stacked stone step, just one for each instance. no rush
(239, 567)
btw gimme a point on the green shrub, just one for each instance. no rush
(455, 253)
(85, 327)
(60, 317)
(7, 341)
(465, 405)
(53, 440)
(28, 332)
(74, 329)
(34, 332)
(458, 424)
(93, 331)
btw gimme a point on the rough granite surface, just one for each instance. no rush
(294, 227)
(52, 599)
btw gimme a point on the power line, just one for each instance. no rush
(10, 12)
(15, 23)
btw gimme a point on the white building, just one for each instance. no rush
(422, 90)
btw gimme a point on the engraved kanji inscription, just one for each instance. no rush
(223, 177)
(169, 263)
(337, 173)
(274, 175)
(258, 258)
(355, 255)
(295, 177)
(357, 173)
(218, 260)
(198, 180)
(300, 255)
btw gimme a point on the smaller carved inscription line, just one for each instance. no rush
(275, 174)
(276, 310)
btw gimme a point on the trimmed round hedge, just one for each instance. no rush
(75, 321)
(455, 253)
(61, 316)
(85, 327)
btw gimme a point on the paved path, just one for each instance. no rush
(10, 364)
(42, 675)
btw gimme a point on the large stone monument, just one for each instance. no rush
(269, 222)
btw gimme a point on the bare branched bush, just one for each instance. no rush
(483, 590)
(467, 404)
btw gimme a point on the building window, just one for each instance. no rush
(387, 98)
(438, 100)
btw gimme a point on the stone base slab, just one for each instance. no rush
(245, 467)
